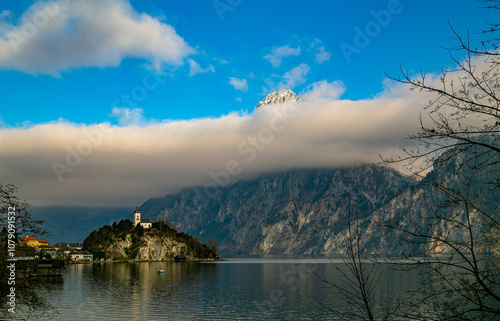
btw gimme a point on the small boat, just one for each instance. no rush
(161, 271)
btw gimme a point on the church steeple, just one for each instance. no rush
(137, 216)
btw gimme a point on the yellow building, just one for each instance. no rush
(32, 241)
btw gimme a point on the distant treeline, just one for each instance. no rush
(98, 238)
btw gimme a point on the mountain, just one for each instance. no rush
(279, 97)
(304, 211)
(294, 212)
(462, 187)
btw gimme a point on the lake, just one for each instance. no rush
(242, 288)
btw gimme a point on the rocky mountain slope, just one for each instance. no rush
(304, 211)
(462, 187)
(279, 97)
(294, 212)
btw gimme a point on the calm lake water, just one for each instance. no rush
(268, 288)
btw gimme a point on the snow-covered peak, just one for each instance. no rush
(279, 97)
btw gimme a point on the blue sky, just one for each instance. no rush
(235, 46)
(111, 102)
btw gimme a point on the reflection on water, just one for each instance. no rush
(249, 288)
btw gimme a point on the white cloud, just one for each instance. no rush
(128, 116)
(120, 165)
(194, 68)
(294, 77)
(238, 84)
(238, 99)
(112, 165)
(52, 37)
(278, 53)
(322, 55)
(324, 90)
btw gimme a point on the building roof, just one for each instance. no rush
(73, 252)
(74, 244)
(28, 238)
(145, 220)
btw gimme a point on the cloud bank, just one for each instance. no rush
(59, 35)
(69, 164)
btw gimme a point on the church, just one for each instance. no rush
(145, 223)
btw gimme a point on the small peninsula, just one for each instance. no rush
(143, 240)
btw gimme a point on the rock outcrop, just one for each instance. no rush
(151, 248)
(124, 241)
(279, 97)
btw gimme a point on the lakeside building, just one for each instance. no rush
(33, 241)
(145, 223)
(77, 255)
(70, 246)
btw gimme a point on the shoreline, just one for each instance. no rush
(146, 261)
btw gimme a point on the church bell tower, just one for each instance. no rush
(137, 216)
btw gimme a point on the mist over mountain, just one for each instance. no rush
(304, 211)
(128, 164)
(293, 212)
(297, 211)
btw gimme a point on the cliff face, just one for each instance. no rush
(305, 211)
(279, 97)
(149, 247)
(461, 191)
(161, 242)
(296, 212)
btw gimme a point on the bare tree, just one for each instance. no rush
(458, 242)
(31, 300)
(461, 145)
(25, 222)
(357, 278)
